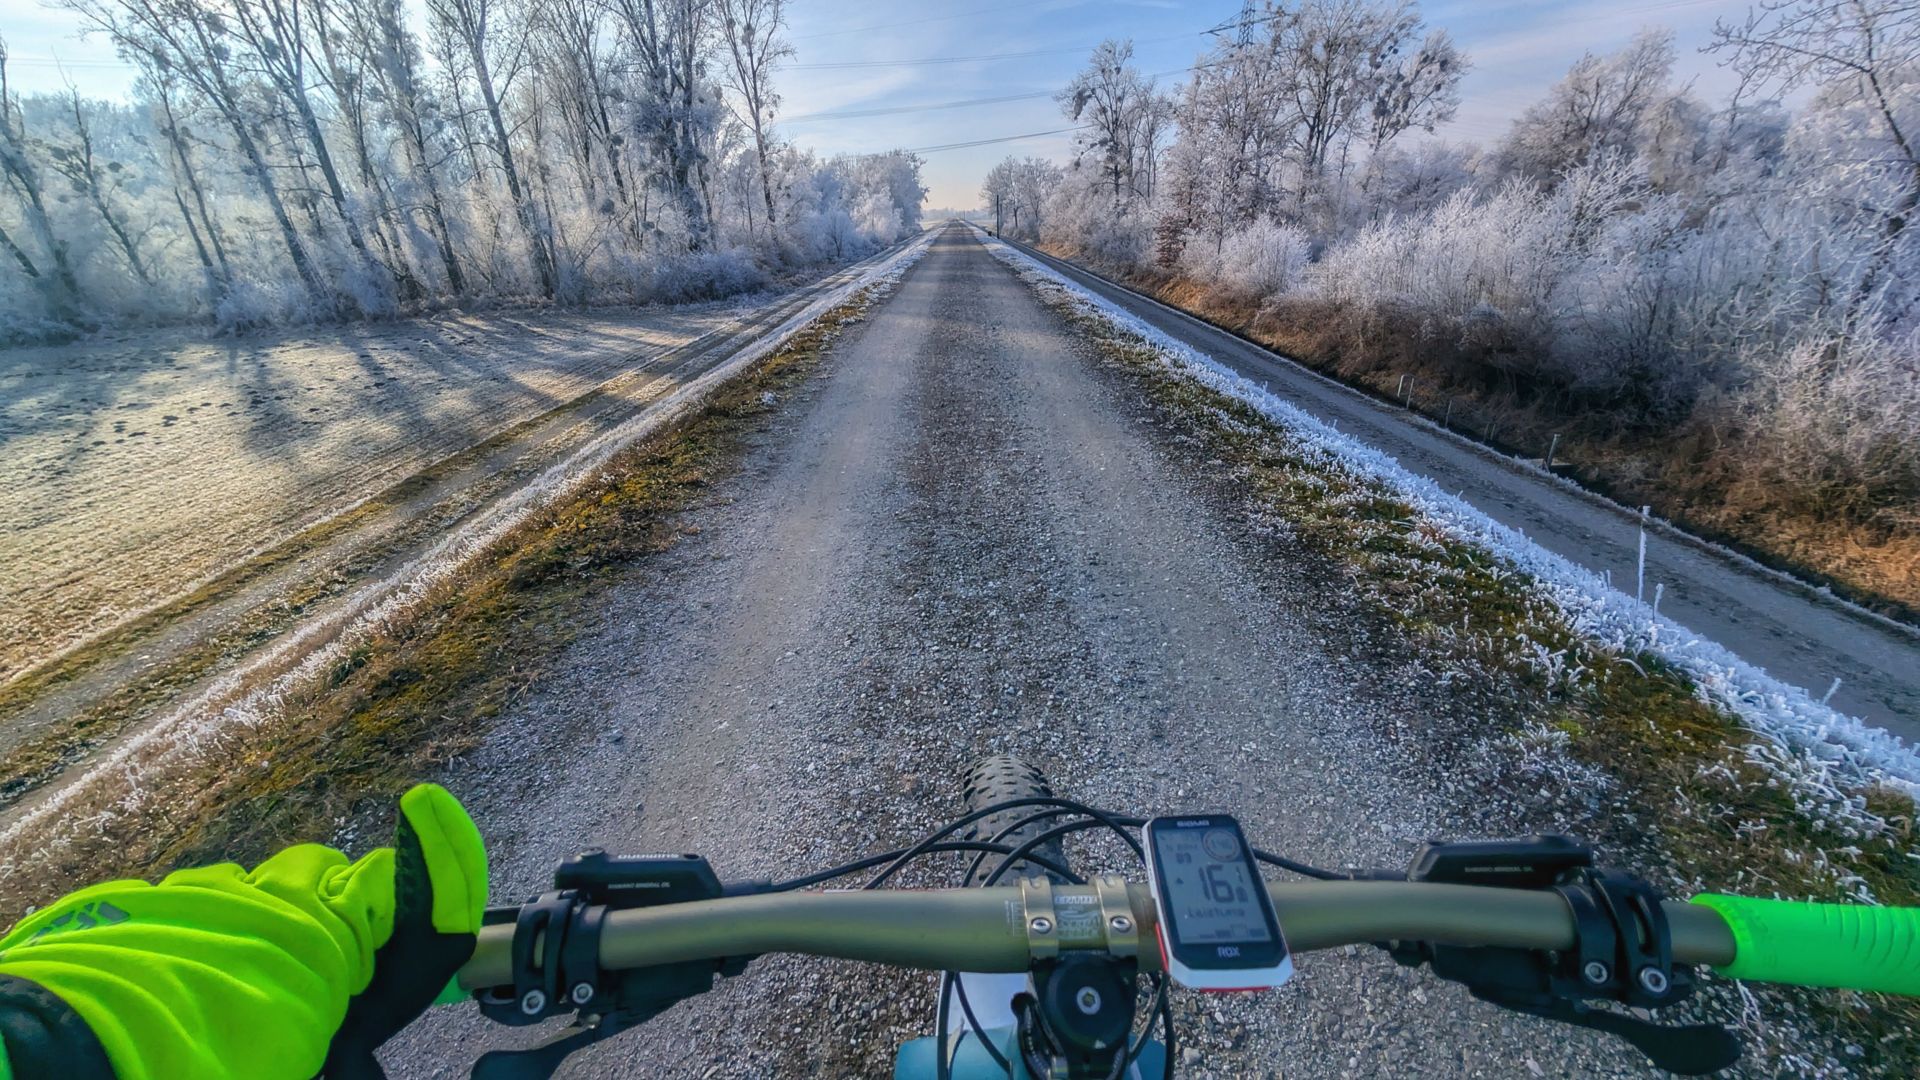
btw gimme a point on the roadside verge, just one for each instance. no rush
(1661, 746)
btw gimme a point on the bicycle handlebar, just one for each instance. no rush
(987, 929)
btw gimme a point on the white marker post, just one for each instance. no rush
(1640, 589)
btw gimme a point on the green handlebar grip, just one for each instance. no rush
(1855, 946)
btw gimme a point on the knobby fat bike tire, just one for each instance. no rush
(1003, 778)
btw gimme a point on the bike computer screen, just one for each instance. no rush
(1217, 926)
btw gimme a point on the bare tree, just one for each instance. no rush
(77, 163)
(61, 289)
(669, 41)
(1123, 116)
(493, 50)
(277, 37)
(346, 71)
(1335, 56)
(755, 49)
(204, 232)
(578, 149)
(1866, 49)
(1601, 107)
(394, 63)
(184, 37)
(1423, 91)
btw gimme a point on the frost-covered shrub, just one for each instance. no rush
(1840, 419)
(1262, 259)
(1089, 223)
(705, 275)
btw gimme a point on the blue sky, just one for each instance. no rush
(856, 56)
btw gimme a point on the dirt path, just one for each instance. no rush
(130, 468)
(963, 538)
(1791, 630)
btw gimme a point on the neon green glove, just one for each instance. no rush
(304, 965)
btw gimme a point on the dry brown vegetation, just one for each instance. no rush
(1716, 472)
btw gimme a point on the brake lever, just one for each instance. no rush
(1683, 1049)
(543, 1059)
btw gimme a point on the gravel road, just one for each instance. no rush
(1788, 629)
(964, 537)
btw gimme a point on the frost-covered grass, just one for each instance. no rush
(240, 443)
(145, 804)
(1676, 758)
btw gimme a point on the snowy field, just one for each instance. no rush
(133, 465)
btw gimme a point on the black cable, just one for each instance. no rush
(1092, 817)
(1300, 868)
(1024, 851)
(1057, 807)
(1166, 1030)
(1032, 819)
(974, 1025)
(941, 1071)
(1159, 984)
(984, 847)
(1095, 819)
(969, 818)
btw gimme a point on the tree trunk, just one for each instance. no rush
(522, 200)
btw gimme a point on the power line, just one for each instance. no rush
(892, 110)
(912, 22)
(838, 65)
(54, 61)
(842, 64)
(988, 142)
(848, 114)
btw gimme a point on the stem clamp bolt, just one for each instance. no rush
(1653, 980)
(582, 993)
(1120, 924)
(533, 1002)
(1595, 972)
(1040, 924)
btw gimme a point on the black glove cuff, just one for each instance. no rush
(45, 1037)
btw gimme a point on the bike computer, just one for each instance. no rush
(1217, 930)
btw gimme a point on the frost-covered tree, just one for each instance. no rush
(1864, 56)
(1746, 270)
(1277, 122)
(485, 48)
(97, 181)
(1604, 105)
(1016, 191)
(1123, 119)
(754, 51)
(314, 159)
(23, 180)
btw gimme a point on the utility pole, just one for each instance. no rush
(1242, 25)
(1243, 34)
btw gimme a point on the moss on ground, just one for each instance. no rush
(1721, 821)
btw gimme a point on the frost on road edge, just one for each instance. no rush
(1823, 756)
(125, 783)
